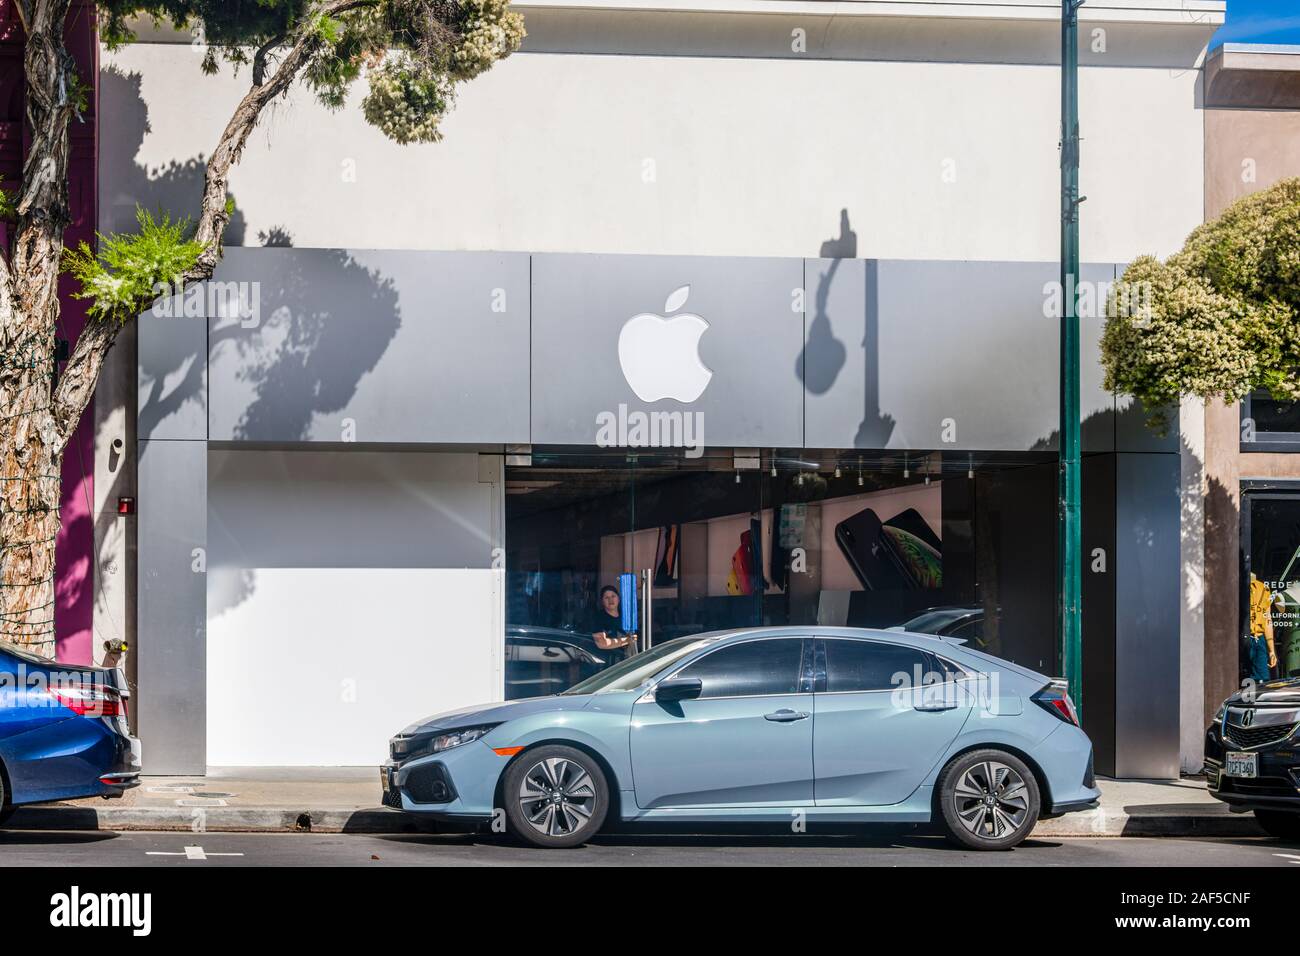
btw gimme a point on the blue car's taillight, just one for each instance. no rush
(1055, 697)
(90, 700)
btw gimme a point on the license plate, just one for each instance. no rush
(383, 778)
(1241, 765)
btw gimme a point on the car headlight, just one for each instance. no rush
(458, 738)
(425, 743)
(1218, 714)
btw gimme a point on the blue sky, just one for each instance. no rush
(1260, 21)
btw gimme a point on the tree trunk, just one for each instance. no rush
(29, 516)
(31, 446)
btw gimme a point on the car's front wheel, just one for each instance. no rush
(1280, 824)
(989, 800)
(555, 796)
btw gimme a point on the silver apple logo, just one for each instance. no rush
(660, 356)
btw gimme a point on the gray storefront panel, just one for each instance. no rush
(943, 354)
(752, 344)
(171, 375)
(366, 346)
(436, 349)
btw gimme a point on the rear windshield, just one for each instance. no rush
(23, 654)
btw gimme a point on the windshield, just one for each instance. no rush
(634, 671)
(931, 622)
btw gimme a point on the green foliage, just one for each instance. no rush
(227, 25)
(8, 210)
(438, 44)
(443, 44)
(488, 31)
(1221, 317)
(79, 93)
(128, 271)
(406, 103)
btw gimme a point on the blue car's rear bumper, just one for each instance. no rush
(72, 758)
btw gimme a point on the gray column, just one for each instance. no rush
(1147, 614)
(172, 608)
(171, 537)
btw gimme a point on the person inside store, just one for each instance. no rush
(607, 627)
(1261, 656)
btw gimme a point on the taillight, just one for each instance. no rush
(1056, 698)
(90, 700)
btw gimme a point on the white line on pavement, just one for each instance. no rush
(190, 853)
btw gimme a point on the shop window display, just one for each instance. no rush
(1271, 549)
(832, 538)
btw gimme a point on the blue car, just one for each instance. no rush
(764, 725)
(63, 731)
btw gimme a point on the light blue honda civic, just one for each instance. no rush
(764, 725)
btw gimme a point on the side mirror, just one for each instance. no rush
(678, 688)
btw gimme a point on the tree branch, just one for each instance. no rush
(77, 383)
(214, 216)
(259, 58)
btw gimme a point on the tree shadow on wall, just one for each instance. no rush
(325, 320)
(175, 188)
(1102, 430)
(174, 365)
(317, 361)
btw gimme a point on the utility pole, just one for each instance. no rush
(1069, 528)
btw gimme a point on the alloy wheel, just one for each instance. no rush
(557, 797)
(991, 800)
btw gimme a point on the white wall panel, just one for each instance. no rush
(320, 666)
(348, 594)
(683, 155)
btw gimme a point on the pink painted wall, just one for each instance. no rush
(75, 549)
(75, 552)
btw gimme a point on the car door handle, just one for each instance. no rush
(784, 716)
(938, 706)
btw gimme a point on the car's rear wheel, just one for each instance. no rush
(989, 800)
(1280, 824)
(555, 796)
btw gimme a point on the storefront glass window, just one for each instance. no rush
(909, 541)
(1271, 545)
(1267, 419)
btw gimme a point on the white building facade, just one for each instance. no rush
(917, 141)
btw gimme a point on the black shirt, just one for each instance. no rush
(612, 625)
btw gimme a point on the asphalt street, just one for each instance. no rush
(97, 849)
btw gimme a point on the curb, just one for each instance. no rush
(217, 819)
(1089, 824)
(1117, 823)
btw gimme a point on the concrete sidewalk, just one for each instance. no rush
(1153, 808)
(346, 800)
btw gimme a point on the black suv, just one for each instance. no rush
(1252, 755)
